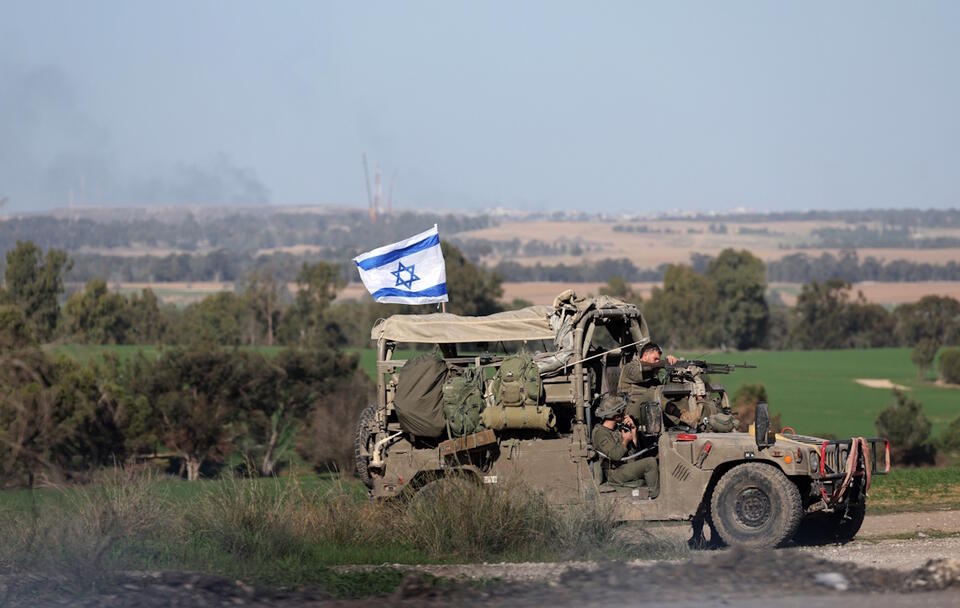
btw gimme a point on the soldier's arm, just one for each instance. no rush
(611, 444)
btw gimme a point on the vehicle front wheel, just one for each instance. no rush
(755, 505)
(362, 444)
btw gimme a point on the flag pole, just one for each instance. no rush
(443, 307)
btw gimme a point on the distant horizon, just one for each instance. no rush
(500, 210)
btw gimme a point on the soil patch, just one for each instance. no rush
(883, 383)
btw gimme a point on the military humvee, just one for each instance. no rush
(756, 489)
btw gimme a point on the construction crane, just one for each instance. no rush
(366, 182)
(375, 199)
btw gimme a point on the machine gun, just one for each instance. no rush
(705, 367)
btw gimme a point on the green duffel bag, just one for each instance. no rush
(463, 402)
(517, 382)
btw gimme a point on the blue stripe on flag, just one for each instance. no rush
(392, 256)
(436, 290)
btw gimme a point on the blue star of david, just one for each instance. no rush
(409, 282)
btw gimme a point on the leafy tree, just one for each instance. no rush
(472, 290)
(930, 318)
(96, 315)
(826, 317)
(923, 355)
(263, 295)
(908, 430)
(199, 399)
(55, 421)
(147, 324)
(306, 323)
(34, 282)
(217, 319)
(681, 313)
(950, 366)
(302, 382)
(822, 317)
(14, 333)
(739, 278)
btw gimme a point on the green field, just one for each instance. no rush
(814, 391)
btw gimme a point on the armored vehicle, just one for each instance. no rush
(513, 395)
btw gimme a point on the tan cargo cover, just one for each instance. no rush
(444, 328)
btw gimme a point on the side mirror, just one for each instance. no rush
(654, 417)
(761, 426)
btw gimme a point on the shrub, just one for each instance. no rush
(950, 366)
(908, 430)
(950, 437)
(923, 355)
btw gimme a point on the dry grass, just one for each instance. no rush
(277, 532)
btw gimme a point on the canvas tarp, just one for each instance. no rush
(524, 324)
(419, 398)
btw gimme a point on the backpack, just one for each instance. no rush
(463, 402)
(419, 396)
(517, 382)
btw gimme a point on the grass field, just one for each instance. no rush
(816, 391)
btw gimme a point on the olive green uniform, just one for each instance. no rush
(610, 442)
(639, 383)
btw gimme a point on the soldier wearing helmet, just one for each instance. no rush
(613, 438)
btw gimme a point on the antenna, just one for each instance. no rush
(366, 181)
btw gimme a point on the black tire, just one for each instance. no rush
(755, 505)
(362, 444)
(830, 528)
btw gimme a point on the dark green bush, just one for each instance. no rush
(950, 366)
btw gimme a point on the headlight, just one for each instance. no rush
(814, 462)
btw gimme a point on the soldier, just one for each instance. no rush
(639, 378)
(614, 437)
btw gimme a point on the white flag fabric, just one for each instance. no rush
(408, 272)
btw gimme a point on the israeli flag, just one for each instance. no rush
(408, 272)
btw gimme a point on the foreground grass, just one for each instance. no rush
(285, 533)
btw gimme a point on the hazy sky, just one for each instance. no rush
(624, 106)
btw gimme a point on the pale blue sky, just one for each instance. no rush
(534, 105)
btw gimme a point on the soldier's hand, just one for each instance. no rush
(672, 360)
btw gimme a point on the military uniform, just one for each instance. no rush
(610, 442)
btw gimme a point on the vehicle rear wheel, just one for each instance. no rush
(362, 444)
(755, 505)
(829, 528)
